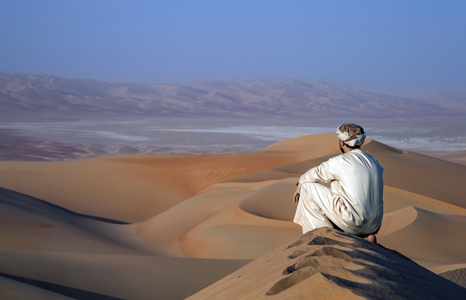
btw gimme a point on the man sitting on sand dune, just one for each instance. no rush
(354, 204)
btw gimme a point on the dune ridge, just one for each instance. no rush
(458, 157)
(126, 183)
(328, 264)
(455, 273)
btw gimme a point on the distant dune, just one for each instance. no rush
(166, 227)
(452, 100)
(40, 94)
(458, 157)
(156, 182)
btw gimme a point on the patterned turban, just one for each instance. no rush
(351, 134)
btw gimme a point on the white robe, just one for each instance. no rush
(355, 201)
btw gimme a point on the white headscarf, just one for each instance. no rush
(351, 134)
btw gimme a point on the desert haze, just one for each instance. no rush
(51, 118)
(26, 94)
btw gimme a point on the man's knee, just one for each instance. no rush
(316, 190)
(310, 186)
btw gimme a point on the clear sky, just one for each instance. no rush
(357, 43)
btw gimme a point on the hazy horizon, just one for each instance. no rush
(397, 47)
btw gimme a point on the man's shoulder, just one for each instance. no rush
(349, 156)
(336, 159)
(369, 157)
(359, 152)
(355, 154)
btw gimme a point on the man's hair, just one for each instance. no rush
(353, 147)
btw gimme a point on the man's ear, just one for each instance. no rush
(342, 143)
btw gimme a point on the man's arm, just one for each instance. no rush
(325, 172)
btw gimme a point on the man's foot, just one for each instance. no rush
(371, 238)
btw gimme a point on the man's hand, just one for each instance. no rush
(296, 197)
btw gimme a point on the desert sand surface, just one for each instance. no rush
(328, 264)
(168, 226)
(458, 157)
(132, 188)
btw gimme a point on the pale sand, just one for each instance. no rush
(195, 214)
(458, 157)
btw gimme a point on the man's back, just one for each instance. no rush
(359, 183)
(355, 201)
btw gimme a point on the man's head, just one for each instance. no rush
(351, 135)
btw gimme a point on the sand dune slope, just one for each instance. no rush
(132, 188)
(424, 235)
(32, 224)
(327, 264)
(13, 289)
(455, 273)
(47, 252)
(458, 157)
(106, 276)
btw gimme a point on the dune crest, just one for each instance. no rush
(458, 157)
(327, 264)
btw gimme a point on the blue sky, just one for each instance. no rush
(355, 43)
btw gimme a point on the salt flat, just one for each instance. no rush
(57, 139)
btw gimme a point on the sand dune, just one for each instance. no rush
(196, 219)
(421, 174)
(327, 264)
(107, 276)
(13, 289)
(47, 252)
(419, 228)
(132, 188)
(458, 157)
(37, 225)
(455, 273)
